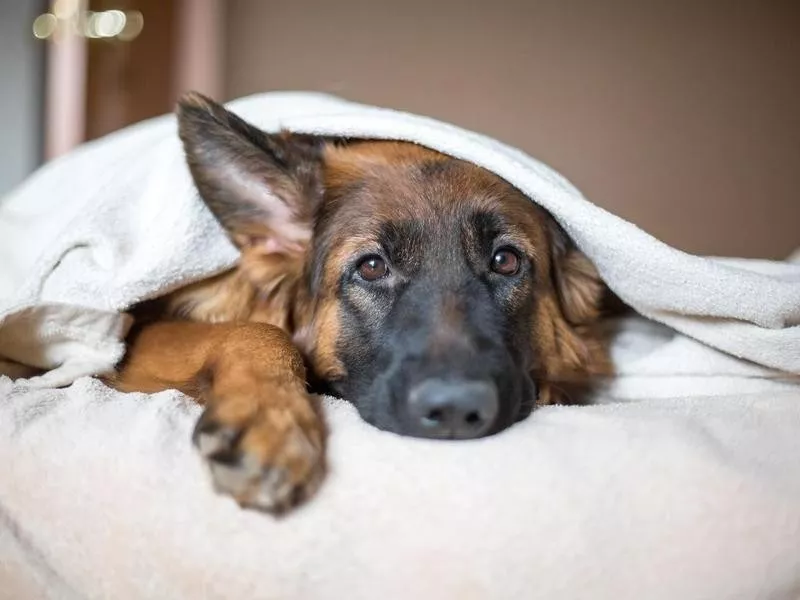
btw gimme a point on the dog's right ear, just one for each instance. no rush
(263, 188)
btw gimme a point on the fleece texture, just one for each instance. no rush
(681, 481)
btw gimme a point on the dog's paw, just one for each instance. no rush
(266, 453)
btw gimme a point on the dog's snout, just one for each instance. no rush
(453, 409)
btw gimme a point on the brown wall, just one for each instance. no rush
(681, 116)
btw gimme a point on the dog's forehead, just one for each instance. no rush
(399, 181)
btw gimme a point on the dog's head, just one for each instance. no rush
(424, 289)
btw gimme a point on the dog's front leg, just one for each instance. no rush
(259, 433)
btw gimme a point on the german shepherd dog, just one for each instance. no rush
(427, 291)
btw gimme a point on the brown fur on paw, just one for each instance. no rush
(266, 454)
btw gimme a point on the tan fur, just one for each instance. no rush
(251, 379)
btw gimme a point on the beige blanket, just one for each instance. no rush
(682, 481)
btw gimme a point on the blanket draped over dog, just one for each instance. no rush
(683, 481)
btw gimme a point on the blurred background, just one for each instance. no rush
(682, 116)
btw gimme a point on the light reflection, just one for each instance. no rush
(133, 26)
(45, 25)
(65, 9)
(108, 24)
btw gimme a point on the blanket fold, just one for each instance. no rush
(682, 481)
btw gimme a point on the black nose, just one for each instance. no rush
(452, 409)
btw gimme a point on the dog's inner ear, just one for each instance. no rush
(263, 188)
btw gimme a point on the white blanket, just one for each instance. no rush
(683, 482)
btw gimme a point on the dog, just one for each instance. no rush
(424, 289)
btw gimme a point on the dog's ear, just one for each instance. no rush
(263, 188)
(577, 283)
(573, 342)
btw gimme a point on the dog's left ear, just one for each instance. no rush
(579, 295)
(578, 285)
(263, 188)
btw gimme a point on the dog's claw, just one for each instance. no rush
(270, 459)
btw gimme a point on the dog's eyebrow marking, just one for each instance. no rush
(399, 238)
(486, 226)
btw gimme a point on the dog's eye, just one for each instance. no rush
(372, 268)
(505, 262)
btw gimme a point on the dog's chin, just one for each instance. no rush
(373, 412)
(530, 396)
